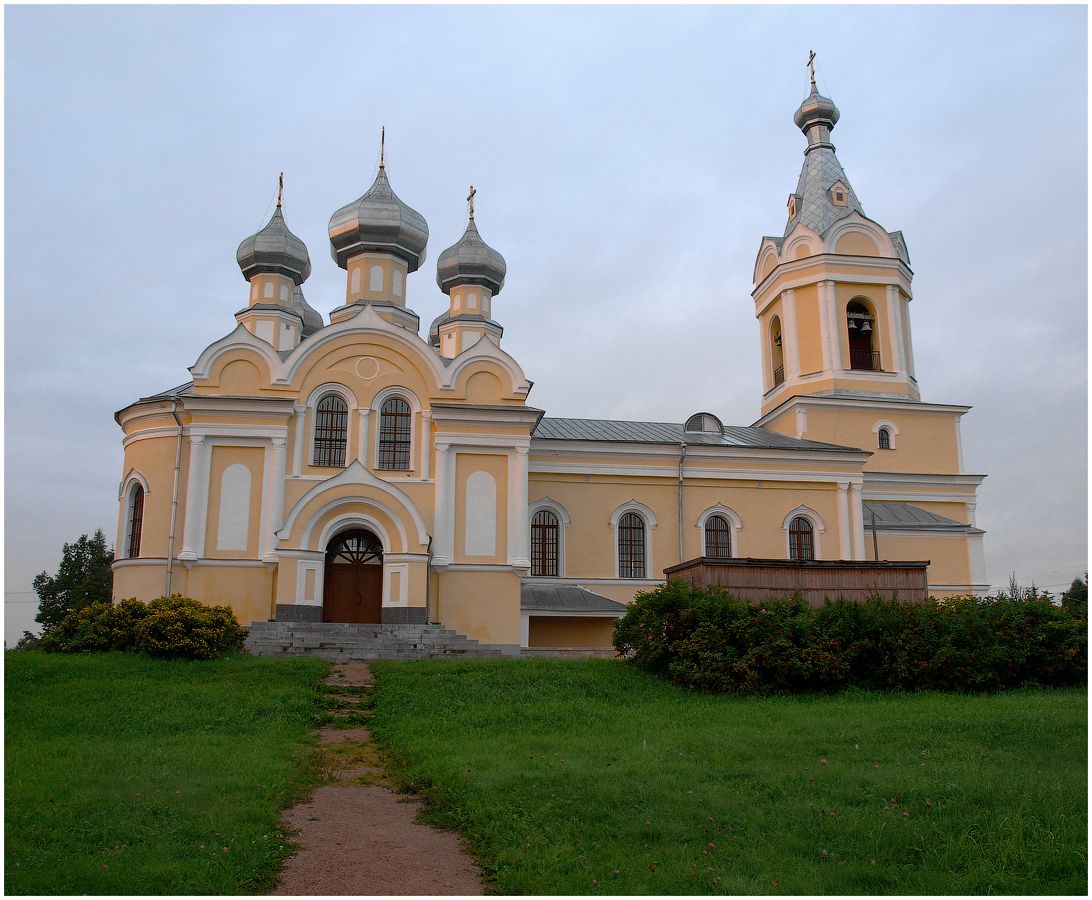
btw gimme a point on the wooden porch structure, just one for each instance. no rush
(816, 580)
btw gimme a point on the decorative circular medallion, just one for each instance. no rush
(367, 367)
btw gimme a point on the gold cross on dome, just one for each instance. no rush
(811, 65)
(470, 200)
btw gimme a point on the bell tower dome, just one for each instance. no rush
(832, 293)
(378, 240)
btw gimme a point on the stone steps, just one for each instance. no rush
(343, 642)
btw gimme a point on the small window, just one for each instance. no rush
(331, 425)
(884, 439)
(394, 435)
(839, 196)
(718, 538)
(801, 544)
(136, 521)
(544, 543)
(631, 546)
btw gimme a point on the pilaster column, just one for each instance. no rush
(426, 444)
(299, 411)
(894, 315)
(443, 524)
(827, 287)
(519, 549)
(844, 538)
(824, 326)
(790, 337)
(856, 515)
(362, 438)
(272, 498)
(971, 506)
(197, 498)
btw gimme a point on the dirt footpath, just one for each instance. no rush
(356, 835)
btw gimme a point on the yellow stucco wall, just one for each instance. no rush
(569, 631)
(481, 605)
(466, 464)
(153, 458)
(222, 457)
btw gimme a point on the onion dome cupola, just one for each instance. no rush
(312, 318)
(471, 273)
(379, 240)
(276, 263)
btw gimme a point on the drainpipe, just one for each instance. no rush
(682, 460)
(174, 495)
(428, 581)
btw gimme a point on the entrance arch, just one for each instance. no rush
(353, 582)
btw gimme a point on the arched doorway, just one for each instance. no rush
(353, 585)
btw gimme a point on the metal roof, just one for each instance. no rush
(183, 390)
(274, 250)
(565, 598)
(379, 221)
(470, 260)
(556, 429)
(908, 516)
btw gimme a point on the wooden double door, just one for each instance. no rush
(353, 584)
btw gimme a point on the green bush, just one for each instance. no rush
(173, 627)
(712, 641)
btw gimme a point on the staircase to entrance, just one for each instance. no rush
(343, 641)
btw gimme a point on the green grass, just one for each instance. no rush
(585, 777)
(126, 775)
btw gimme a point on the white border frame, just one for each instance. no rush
(892, 432)
(648, 517)
(401, 393)
(310, 419)
(564, 520)
(817, 528)
(735, 526)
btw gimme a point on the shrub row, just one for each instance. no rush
(173, 627)
(712, 641)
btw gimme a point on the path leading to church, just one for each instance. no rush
(359, 837)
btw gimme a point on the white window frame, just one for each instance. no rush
(735, 526)
(647, 516)
(400, 393)
(316, 395)
(124, 497)
(817, 528)
(563, 522)
(892, 431)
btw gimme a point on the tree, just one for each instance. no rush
(1076, 598)
(83, 577)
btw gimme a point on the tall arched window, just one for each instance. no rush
(394, 434)
(544, 543)
(331, 425)
(631, 546)
(136, 521)
(801, 542)
(860, 322)
(884, 439)
(777, 354)
(718, 538)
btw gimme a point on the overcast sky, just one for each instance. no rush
(627, 160)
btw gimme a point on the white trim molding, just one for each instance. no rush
(564, 520)
(648, 518)
(398, 392)
(817, 527)
(892, 432)
(311, 416)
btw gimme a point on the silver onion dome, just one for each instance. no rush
(379, 221)
(470, 261)
(274, 251)
(312, 318)
(816, 110)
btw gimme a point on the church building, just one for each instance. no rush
(359, 470)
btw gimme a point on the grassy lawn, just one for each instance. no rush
(585, 777)
(126, 775)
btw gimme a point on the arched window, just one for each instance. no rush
(777, 354)
(884, 439)
(544, 543)
(860, 322)
(136, 521)
(801, 543)
(718, 538)
(331, 425)
(394, 434)
(631, 546)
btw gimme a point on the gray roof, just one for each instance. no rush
(550, 428)
(381, 222)
(470, 260)
(565, 598)
(183, 390)
(275, 251)
(312, 318)
(907, 516)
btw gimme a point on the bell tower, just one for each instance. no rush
(832, 294)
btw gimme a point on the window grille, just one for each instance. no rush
(631, 546)
(801, 544)
(718, 538)
(331, 423)
(544, 543)
(136, 521)
(394, 435)
(885, 439)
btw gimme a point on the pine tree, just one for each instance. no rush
(83, 577)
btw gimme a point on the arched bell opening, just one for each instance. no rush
(353, 582)
(860, 322)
